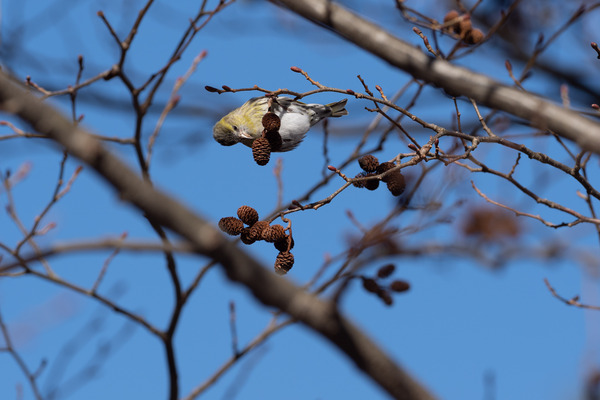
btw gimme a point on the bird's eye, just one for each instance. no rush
(235, 128)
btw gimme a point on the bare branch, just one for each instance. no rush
(161, 209)
(538, 111)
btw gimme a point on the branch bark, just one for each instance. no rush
(320, 315)
(539, 112)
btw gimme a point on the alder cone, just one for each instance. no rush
(383, 167)
(284, 262)
(274, 139)
(274, 233)
(360, 184)
(464, 27)
(271, 122)
(257, 230)
(400, 286)
(282, 245)
(261, 151)
(386, 297)
(372, 184)
(246, 239)
(452, 15)
(368, 163)
(248, 215)
(386, 270)
(231, 225)
(396, 183)
(370, 285)
(474, 36)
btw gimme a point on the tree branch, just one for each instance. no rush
(457, 80)
(322, 316)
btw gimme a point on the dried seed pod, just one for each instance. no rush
(274, 233)
(386, 270)
(246, 239)
(231, 225)
(248, 215)
(370, 285)
(368, 163)
(261, 151)
(282, 245)
(383, 167)
(256, 230)
(360, 184)
(396, 183)
(284, 262)
(474, 36)
(274, 139)
(385, 296)
(464, 27)
(372, 184)
(399, 286)
(452, 15)
(271, 122)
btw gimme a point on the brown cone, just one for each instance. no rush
(400, 286)
(246, 239)
(284, 262)
(464, 27)
(360, 184)
(257, 230)
(274, 139)
(282, 245)
(248, 215)
(396, 183)
(370, 285)
(274, 233)
(271, 122)
(261, 151)
(368, 163)
(231, 225)
(386, 270)
(452, 15)
(372, 184)
(474, 36)
(385, 296)
(383, 167)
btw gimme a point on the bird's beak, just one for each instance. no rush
(244, 135)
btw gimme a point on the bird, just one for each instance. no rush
(244, 124)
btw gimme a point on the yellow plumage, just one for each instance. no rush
(244, 123)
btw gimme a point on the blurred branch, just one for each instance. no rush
(8, 347)
(457, 80)
(320, 315)
(272, 328)
(93, 245)
(574, 301)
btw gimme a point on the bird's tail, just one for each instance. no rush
(337, 108)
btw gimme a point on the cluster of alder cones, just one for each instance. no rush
(382, 290)
(261, 230)
(270, 140)
(461, 25)
(371, 168)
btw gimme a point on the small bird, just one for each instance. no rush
(244, 124)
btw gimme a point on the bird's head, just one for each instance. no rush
(233, 128)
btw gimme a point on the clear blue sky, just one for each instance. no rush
(459, 323)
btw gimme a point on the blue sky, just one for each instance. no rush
(460, 322)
